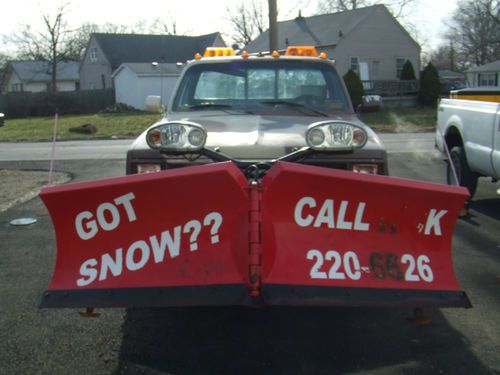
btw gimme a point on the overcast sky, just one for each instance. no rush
(195, 17)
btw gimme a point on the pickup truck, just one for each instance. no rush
(256, 109)
(468, 131)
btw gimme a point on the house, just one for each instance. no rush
(368, 40)
(106, 52)
(485, 75)
(36, 76)
(133, 82)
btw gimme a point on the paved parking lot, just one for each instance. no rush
(244, 340)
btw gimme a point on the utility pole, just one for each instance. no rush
(273, 26)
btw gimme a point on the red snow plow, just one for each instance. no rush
(301, 235)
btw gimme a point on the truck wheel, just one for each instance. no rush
(466, 177)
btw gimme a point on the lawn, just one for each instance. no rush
(129, 125)
(108, 125)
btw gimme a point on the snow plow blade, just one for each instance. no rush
(206, 235)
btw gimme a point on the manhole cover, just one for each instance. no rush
(23, 221)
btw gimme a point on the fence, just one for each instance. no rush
(391, 88)
(26, 104)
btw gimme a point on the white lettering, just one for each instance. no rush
(114, 265)
(341, 222)
(138, 254)
(358, 221)
(132, 265)
(328, 217)
(325, 215)
(433, 222)
(90, 225)
(173, 244)
(101, 217)
(299, 218)
(108, 217)
(87, 270)
(129, 209)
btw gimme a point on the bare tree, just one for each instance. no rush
(52, 44)
(164, 26)
(248, 20)
(445, 57)
(476, 32)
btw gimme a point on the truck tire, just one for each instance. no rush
(466, 177)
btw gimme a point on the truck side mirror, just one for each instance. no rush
(153, 104)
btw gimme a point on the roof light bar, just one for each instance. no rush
(309, 51)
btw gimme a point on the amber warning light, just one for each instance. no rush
(302, 51)
(218, 52)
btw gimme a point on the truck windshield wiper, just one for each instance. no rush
(299, 106)
(209, 105)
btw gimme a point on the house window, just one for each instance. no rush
(354, 64)
(399, 67)
(103, 81)
(93, 54)
(487, 79)
(17, 87)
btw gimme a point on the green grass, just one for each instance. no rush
(129, 125)
(120, 125)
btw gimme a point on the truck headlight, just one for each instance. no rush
(177, 136)
(335, 135)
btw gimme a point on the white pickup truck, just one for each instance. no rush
(471, 131)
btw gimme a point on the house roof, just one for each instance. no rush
(148, 69)
(450, 74)
(41, 71)
(491, 67)
(136, 48)
(320, 31)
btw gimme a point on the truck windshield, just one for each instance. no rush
(261, 85)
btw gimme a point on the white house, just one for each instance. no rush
(106, 52)
(487, 75)
(36, 76)
(133, 82)
(368, 40)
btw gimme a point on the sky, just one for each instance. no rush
(197, 17)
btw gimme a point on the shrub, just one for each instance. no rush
(355, 87)
(430, 87)
(408, 73)
(119, 108)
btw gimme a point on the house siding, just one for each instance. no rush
(40, 86)
(377, 38)
(91, 72)
(473, 79)
(132, 89)
(218, 42)
(11, 80)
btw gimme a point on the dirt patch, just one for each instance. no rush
(18, 186)
(403, 126)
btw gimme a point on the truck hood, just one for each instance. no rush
(251, 136)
